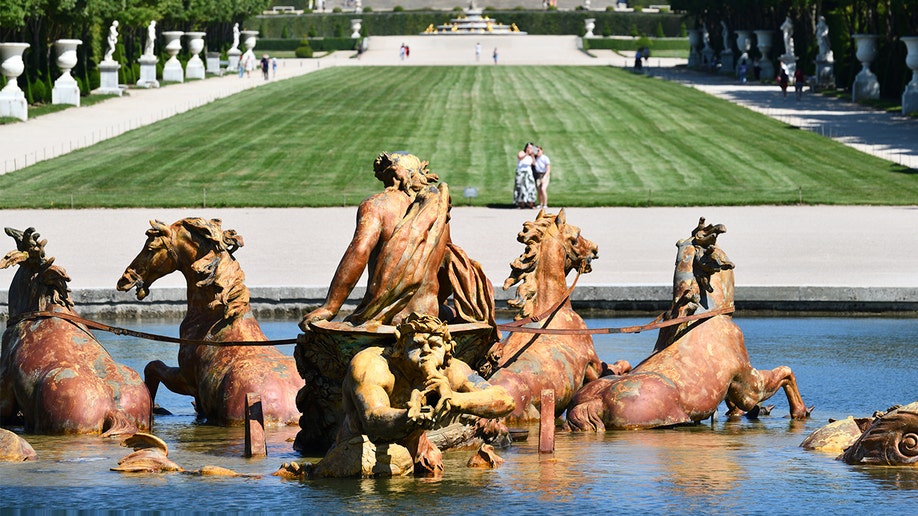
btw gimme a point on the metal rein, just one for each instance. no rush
(139, 334)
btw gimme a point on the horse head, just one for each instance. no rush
(703, 279)
(201, 249)
(38, 284)
(157, 259)
(554, 247)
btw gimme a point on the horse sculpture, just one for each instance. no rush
(53, 371)
(531, 362)
(219, 377)
(695, 364)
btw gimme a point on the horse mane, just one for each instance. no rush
(39, 284)
(218, 268)
(701, 253)
(522, 270)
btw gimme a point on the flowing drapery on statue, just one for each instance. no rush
(403, 239)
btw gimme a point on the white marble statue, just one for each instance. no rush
(726, 34)
(112, 40)
(788, 28)
(151, 39)
(235, 37)
(705, 36)
(822, 37)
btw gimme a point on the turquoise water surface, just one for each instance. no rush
(844, 366)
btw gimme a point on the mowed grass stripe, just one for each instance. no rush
(614, 138)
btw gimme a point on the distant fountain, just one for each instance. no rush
(473, 23)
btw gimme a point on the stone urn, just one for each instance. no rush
(194, 68)
(589, 24)
(172, 70)
(763, 43)
(12, 98)
(694, 39)
(66, 54)
(66, 90)
(910, 95)
(249, 39)
(11, 64)
(355, 28)
(744, 42)
(866, 85)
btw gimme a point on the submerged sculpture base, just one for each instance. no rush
(360, 458)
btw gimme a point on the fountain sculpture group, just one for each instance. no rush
(417, 367)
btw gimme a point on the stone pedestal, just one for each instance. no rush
(789, 63)
(726, 62)
(194, 68)
(213, 63)
(12, 98)
(233, 57)
(694, 38)
(825, 75)
(707, 57)
(172, 70)
(865, 85)
(66, 90)
(108, 72)
(148, 72)
(910, 95)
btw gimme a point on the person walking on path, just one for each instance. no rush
(524, 185)
(274, 67)
(265, 63)
(799, 81)
(541, 171)
(494, 55)
(783, 79)
(477, 52)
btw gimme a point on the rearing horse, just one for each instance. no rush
(696, 364)
(53, 370)
(532, 362)
(219, 377)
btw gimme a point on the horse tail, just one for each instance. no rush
(117, 423)
(587, 416)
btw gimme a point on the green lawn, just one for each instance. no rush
(615, 139)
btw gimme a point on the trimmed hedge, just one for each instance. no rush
(330, 44)
(338, 25)
(634, 44)
(275, 44)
